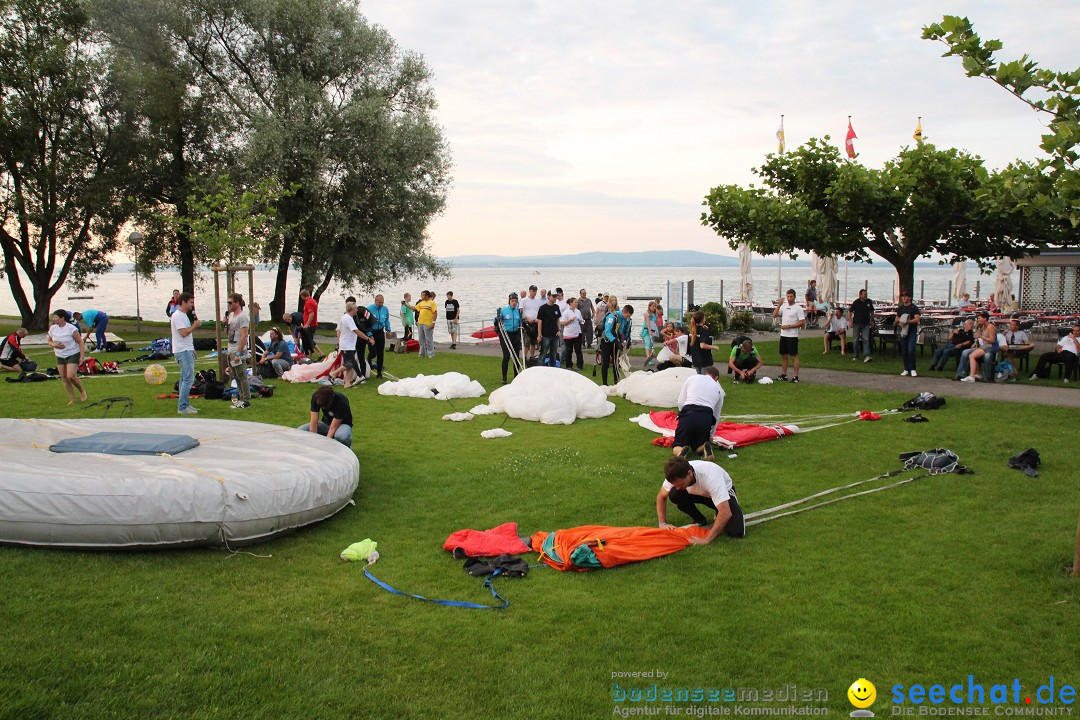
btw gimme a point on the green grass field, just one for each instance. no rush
(926, 583)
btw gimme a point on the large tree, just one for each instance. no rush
(185, 135)
(336, 111)
(64, 145)
(1054, 94)
(926, 200)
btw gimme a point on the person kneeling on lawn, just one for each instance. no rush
(688, 484)
(744, 361)
(700, 402)
(337, 417)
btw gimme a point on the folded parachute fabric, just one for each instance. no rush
(363, 551)
(551, 396)
(495, 433)
(482, 410)
(728, 434)
(501, 540)
(654, 389)
(458, 417)
(450, 386)
(312, 372)
(591, 547)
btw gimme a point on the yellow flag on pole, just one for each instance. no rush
(918, 131)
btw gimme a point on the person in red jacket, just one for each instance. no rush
(11, 355)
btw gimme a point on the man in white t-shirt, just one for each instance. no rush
(792, 317)
(183, 347)
(530, 305)
(700, 402)
(688, 484)
(348, 334)
(837, 328)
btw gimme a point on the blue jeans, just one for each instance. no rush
(907, 347)
(860, 340)
(186, 358)
(549, 350)
(100, 323)
(941, 356)
(343, 434)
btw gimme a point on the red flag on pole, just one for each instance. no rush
(849, 142)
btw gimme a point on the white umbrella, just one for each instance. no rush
(746, 285)
(828, 279)
(1003, 285)
(815, 267)
(959, 280)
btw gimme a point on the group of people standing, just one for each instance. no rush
(548, 328)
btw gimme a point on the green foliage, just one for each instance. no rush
(1055, 94)
(741, 322)
(227, 224)
(716, 316)
(64, 147)
(923, 201)
(330, 104)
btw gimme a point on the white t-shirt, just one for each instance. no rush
(563, 306)
(177, 321)
(572, 329)
(529, 306)
(837, 324)
(1070, 344)
(665, 354)
(347, 339)
(704, 391)
(64, 335)
(712, 482)
(790, 315)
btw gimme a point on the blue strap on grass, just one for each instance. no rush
(448, 603)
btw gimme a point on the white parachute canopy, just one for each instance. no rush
(655, 389)
(450, 386)
(551, 396)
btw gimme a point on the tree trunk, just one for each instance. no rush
(281, 282)
(179, 181)
(905, 271)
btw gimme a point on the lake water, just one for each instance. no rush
(481, 290)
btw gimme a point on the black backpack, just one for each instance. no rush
(925, 401)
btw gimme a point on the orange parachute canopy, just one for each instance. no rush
(591, 547)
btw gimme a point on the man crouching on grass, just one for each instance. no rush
(691, 483)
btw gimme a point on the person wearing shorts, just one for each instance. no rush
(453, 319)
(68, 346)
(792, 317)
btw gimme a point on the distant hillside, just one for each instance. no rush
(649, 258)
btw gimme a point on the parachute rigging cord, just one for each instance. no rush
(935, 462)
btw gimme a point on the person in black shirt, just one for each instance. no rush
(453, 319)
(959, 340)
(337, 419)
(701, 346)
(907, 331)
(547, 321)
(862, 320)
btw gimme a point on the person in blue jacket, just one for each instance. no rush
(614, 337)
(93, 320)
(380, 325)
(508, 324)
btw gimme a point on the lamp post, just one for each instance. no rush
(135, 238)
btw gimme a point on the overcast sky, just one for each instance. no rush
(581, 125)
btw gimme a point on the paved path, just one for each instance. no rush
(1046, 392)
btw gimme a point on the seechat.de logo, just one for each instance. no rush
(862, 694)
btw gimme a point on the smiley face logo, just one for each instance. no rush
(862, 693)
